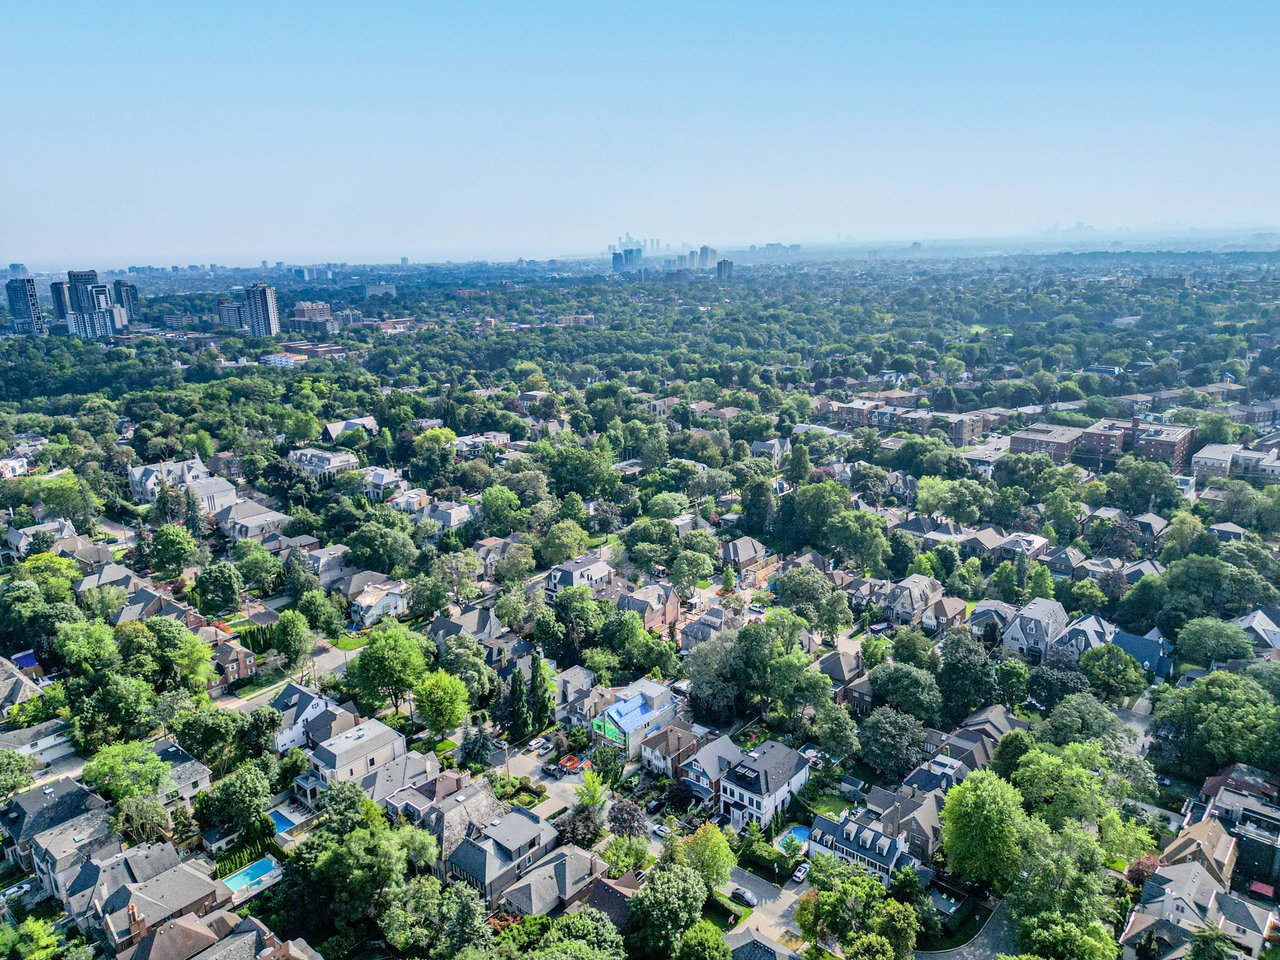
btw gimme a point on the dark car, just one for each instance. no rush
(744, 896)
(653, 806)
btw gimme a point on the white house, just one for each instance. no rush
(378, 600)
(762, 783)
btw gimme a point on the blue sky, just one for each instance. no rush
(176, 132)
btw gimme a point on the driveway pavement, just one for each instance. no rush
(775, 914)
(994, 939)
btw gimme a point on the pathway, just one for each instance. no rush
(995, 938)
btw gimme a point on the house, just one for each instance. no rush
(44, 742)
(324, 464)
(912, 815)
(1028, 546)
(451, 515)
(1186, 893)
(657, 604)
(492, 550)
(111, 575)
(249, 520)
(1152, 527)
(636, 711)
(855, 840)
(494, 856)
(297, 705)
(1207, 843)
(746, 555)
(479, 623)
(572, 687)
(1064, 562)
(704, 771)
(590, 570)
(906, 601)
(187, 775)
(11, 468)
(330, 564)
(666, 749)
(943, 614)
(350, 755)
(145, 481)
(1262, 627)
(452, 814)
(15, 686)
(1035, 627)
(762, 783)
(333, 431)
(28, 814)
(212, 493)
(1153, 652)
(1058, 443)
(232, 663)
(58, 852)
(708, 625)
(382, 482)
(775, 449)
(843, 668)
(1227, 532)
(150, 601)
(747, 943)
(554, 883)
(219, 935)
(415, 502)
(380, 600)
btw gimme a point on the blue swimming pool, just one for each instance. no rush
(250, 876)
(797, 831)
(281, 821)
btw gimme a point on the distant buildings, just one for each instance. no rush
(125, 295)
(263, 314)
(24, 307)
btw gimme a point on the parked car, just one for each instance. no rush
(653, 806)
(1163, 781)
(802, 871)
(552, 770)
(744, 896)
(756, 608)
(661, 830)
(546, 748)
(16, 891)
(536, 742)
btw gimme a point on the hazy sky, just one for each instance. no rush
(176, 131)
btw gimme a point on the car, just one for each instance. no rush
(744, 896)
(546, 748)
(501, 745)
(653, 806)
(661, 830)
(16, 891)
(551, 770)
(1163, 781)
(802, 871)
(536, 742)
(756, 608)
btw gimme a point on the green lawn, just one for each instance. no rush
(704, 584)
(351, 641)
(830, 805)
(723, 912)
(262, 681)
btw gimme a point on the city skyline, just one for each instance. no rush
(439, 135)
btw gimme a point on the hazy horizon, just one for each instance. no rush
(156, 133)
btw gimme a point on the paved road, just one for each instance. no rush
(775, 915)
(996, 938)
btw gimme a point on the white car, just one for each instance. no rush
(661, 830)
(802, 871)
(16, 891)
(536, 742)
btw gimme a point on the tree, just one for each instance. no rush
(1012, 677)
(1013, 746)
(897, 923)
(1219, 719)
(1211, 943)
(837, 735)
(291, 636)
(501, 510)
(708, 852)
(1112, 673)
(1080, 717)
(440, 700)
(803, 589)
(982, 828)
(218, 587)
(257, 565)
(125, 770)
(542, 705)
(510, 608)
(458, 571)
(1207, 640)
(389, 665)
(892, 742)
(703, 941)
(869, 946)
(382, 549)
(321, 614)
(87, 648)
(519, 719)
(834, 615)
(122, 708)
(15, 772)
(663, 909)
(966, 678)
(626, 819)
(172, 547)
(591, 792)
(463, 657)
(581, 827)
(564, 541)
(907, 689)
(688, 569)
(235, 802)
(592, 930)
(140, 819)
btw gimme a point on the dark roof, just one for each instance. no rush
(767, 768)
(44, 807)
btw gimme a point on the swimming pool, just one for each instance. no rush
(281, 821)
(251, 876)
(797, 831)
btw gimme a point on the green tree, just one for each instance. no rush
(389, 666)
(668, 904)
(258, 566)
(291, 636)
(382, 549)
(688, 569)
(898, 924)
(172, 547)
(235, 802)
(982, 828)
(1219, 719)
(564, 541)
(1208, 640)
(140, 819)
(967, 677)
(440, 700)
(708, 852)
(124, 770)
(703, 941)
(321, 614)
(907, 689)
(218, 587)
(519, 719)
(1013, 746)
(15, 772)
(892, 741)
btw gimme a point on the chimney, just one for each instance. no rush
(137, 923)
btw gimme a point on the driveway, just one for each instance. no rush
(775, 915)
(996, 938)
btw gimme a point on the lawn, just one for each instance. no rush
(260, 682)
(830, 805)
(351, 641)
(723, 912)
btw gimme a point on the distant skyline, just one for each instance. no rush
(179, 133)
